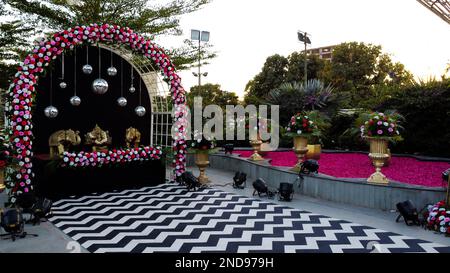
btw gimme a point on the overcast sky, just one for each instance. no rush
(246, 32)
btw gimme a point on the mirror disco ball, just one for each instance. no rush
(51, 111)
(122, 102)
(100, 86)
(62, 85)
(75, 100)
(140, 111)
(112, 71)
(87, 69)
(132, 89)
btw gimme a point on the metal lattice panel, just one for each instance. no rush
(440, 7)
(158, 91)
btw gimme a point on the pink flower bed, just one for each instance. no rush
(355, 165)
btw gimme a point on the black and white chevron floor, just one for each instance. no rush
(167, 218)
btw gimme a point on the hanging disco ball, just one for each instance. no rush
(75, 100)
(112, 71)
(132, 89)
(140, 111)
(62, 85)
(87, 69)
(122, 102)
(51, 111)
(99, 86)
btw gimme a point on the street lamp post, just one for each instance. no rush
(200, 36)
(303, 37)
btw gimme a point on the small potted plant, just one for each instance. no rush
(322, 122)
(300, 128)
(378, 129)
(202, 146)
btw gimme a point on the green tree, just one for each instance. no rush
(271, 76)
(13, 35)
(212, 94)
(296, 67)
(144, 16)
(356, 67)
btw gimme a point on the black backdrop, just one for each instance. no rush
(94, 109)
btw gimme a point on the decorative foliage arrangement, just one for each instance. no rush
(378, 124)
(6, 157)
(438, 218)
(301, 125)
(200, 143)
(22, 91)
(111, 157)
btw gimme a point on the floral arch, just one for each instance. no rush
(21, 94)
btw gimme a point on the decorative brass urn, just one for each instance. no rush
(314, 151)
(256, 144)
(300, 150)
(2, 179)
(202, 161)
(378, 154)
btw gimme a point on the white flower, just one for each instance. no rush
(299, 132)
(385, 124)
(376, 117)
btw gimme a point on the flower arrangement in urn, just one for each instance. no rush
(381, 125)
(379, 128)
(438, 218)
(301, 127)
(202, 146)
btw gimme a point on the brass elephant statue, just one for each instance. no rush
(132, 137)
(60, 141)
(98, 139)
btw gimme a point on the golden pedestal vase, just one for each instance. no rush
(314, 151)
(300, 150)
(2, 179)
(202, 162)
(379, 155)
(256, 145)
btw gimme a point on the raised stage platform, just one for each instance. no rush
(344, 190)
(56, 182)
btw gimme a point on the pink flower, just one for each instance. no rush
(380, 132)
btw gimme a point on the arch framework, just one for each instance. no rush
(21, 94)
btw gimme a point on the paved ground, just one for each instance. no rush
(52, 239)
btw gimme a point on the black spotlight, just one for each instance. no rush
(41, 210)
(286, 192)
(190, 181)
(228, 148)
(309, 166)
(239, 180)
(409, 213)
(260, 188)
(12, 222)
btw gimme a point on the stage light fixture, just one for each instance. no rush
(409, 213)
(309, 166)
(229, 148)
(239, 180)
(190, 181)
(286, 191)
(260, 188)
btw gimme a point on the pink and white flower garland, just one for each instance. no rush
(23, 89)
(111, 157)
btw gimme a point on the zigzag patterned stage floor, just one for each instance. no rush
(167, 218)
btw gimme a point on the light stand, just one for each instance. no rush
(200, 36)
(303, 37)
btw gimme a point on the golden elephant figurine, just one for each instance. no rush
(60, 141)
(132, 137)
